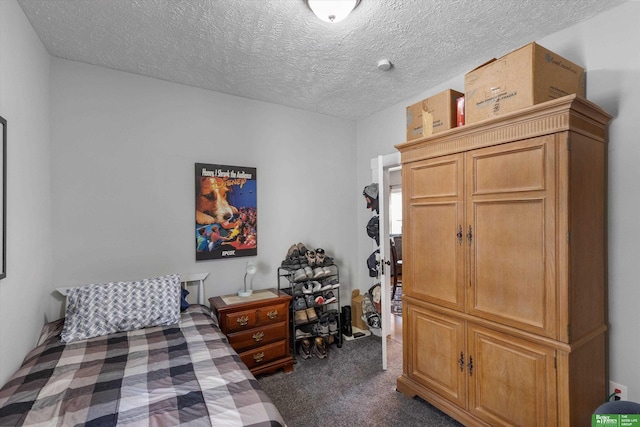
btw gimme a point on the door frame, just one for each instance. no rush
(380, 167)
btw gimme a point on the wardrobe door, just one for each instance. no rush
(512, 382)
(511, 202)
(437, 353)
(432, 231)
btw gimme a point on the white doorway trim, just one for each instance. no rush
(380, 174)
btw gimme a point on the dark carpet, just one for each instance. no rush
(349, 388)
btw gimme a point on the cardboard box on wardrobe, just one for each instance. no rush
(432, 115)
(527, 76)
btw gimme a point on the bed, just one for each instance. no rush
(183, 373)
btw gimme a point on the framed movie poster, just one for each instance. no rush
(226, 211)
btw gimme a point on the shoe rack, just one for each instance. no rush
(315, 310)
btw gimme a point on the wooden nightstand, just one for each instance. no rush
(257, 328)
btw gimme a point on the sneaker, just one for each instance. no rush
(299, 303)
(326, 285)
(297, 289)
(311, 314)
(307, 288)
(323, 325)
(301, 249)
(299, 274)
(320, 300)
(302, 334)
(311, 258)
(308, 272)
(317, 286)
(328, 261)
(309, 300)
(333, 323)
(320, 348)
(329, 298)
(292, 252)
(331, 270)
(305, 349)
(318, 272)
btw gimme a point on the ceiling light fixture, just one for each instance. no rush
(332, 10)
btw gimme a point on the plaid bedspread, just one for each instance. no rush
(185, 374)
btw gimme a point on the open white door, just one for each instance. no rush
(380, 171)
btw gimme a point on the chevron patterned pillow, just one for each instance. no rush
(101, 309)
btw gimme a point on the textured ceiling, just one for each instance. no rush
(278, 51)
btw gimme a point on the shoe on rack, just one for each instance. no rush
(328, 261)
(318, 272)
(320, 257)
(305, 349)
(301, 317)
(311, 258)
(320, 348)
(333, 323)
(319, 300)
(311, 314)
(309, 300)
(323, 325)
(299, 275)
(329, 297)
(299, 303)
(326, 285)
(292, 252)
(302, 334)
(307, 288)
(308, 271)
(302, 249)
(317, 286)
(331, 270)
(297, 289)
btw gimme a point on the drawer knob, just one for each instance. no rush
(243, 320)
(272, 314)
(258, 336)
(258, 357)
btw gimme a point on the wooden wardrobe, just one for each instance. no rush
(505, 267)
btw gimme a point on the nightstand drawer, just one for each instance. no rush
(273, 314)
(259, 336)
(241, 320)
(262, 355)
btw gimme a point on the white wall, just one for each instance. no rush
(607, 47)
(24, 103)
(122, 177)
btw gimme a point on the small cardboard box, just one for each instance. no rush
(432, 115)
(356, 310)
(527, 76)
